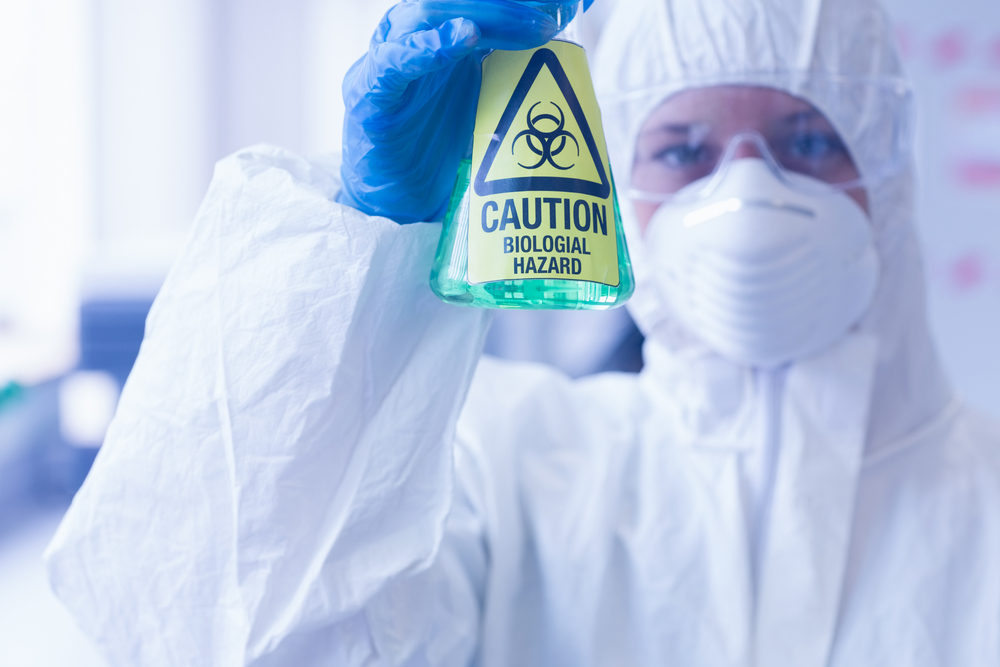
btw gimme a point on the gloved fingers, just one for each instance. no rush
(393, 65)
(503, 24)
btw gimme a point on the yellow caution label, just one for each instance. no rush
(542, 201)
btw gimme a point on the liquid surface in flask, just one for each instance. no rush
(533, 221)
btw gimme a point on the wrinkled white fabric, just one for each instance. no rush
(294, 374)
(285, 482)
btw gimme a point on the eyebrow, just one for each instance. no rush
(673, 128)
(801, 116)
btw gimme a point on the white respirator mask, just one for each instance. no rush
(763, 272)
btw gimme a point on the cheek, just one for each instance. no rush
(860, 195)
(644, 211)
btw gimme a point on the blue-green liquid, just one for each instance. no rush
(449, 277)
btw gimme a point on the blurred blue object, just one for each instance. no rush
(18, 425)
(37, 465)
(10, 394)
(34, 462)
(111, 332)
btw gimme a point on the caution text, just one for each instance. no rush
(567, 214)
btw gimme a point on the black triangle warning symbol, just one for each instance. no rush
(597, 188)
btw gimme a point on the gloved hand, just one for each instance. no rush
(411, 101)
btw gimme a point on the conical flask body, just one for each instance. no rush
(533, 221)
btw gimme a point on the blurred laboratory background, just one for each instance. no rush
(112, 113)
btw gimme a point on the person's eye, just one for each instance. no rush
(815, 146)
(683, 156)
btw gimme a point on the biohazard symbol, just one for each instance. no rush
(546, 139)
(547, 145)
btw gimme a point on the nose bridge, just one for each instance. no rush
(746, 149)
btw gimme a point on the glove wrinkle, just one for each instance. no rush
(411, 101)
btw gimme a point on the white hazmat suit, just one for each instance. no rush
(311, 465)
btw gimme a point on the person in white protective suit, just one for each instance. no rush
(312, 465)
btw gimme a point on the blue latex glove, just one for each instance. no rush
(411, 101)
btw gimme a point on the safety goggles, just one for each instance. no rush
(843, 133)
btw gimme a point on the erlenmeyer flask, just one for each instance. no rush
(533, 221)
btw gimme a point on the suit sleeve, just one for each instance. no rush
(282, 459)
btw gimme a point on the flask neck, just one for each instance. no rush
(570, 17)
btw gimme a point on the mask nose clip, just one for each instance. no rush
(743, 145)
(746, 144)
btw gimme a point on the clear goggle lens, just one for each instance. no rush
(693, 134)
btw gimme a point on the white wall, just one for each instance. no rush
(952, 54)
(181, 84)
(46, 184)
(155, 130)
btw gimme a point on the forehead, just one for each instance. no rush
(731, 105)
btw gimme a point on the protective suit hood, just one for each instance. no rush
(671, 45)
